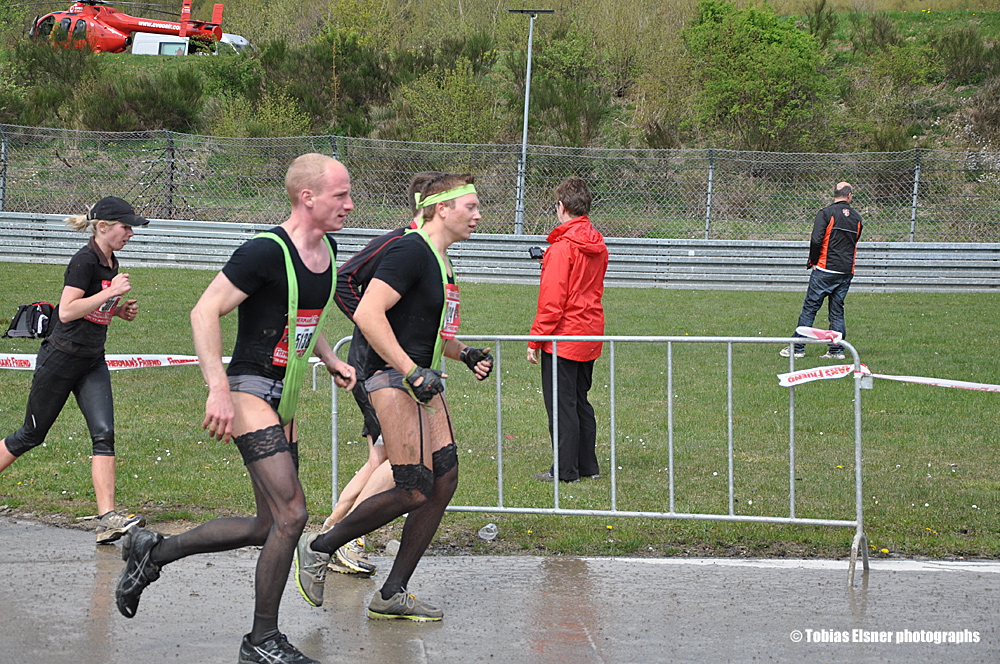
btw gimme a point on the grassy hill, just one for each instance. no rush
(807, 76)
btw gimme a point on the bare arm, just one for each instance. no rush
(370, 317)
(73, 305)
(343, 373)
(219, 299)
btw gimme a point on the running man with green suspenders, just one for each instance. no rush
(283, 283)
(409, 314)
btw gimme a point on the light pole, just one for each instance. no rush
(523, 163)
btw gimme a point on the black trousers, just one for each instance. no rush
(57, 374)
(577, 424)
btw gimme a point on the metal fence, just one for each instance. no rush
(917, 195)
(775, 265)
(673, 486)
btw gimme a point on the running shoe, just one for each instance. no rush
(140, 570)
(310, 569)
(352, 556)
(112, 525)
(276, 650)
(403, 606)
(335, 566)
(831, 355)
(799, 354)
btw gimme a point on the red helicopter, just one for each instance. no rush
(93, 25)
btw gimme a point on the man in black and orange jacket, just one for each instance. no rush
(833, 249)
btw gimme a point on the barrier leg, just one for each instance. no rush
(860, 542)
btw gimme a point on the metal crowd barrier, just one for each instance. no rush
(859, 544)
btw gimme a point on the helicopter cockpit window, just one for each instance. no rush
(45, 26)
(63, 30)
(80, 30)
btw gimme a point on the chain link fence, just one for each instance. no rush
(916, 195)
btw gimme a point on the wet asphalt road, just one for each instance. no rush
(57, 606)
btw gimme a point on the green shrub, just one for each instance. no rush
(449, 106)
(143, 101)
(762, 87)
(233, 74)
(871, 32)
(277, 114)
(984, 112)
(41, 82)
(335, 79)
(821, 21)
(965, 56)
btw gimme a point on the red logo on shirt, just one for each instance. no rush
(104, 313)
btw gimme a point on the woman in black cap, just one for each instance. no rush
(71, 357)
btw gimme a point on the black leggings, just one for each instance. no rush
(56, 375)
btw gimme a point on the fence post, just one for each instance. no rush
(708, 203)
(916, 186)
(3, 169)
(170, 174)
(333, 146)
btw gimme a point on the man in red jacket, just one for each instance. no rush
(569, 303)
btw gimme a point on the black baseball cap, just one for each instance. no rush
(112, 208)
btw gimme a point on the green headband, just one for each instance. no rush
(449, 195)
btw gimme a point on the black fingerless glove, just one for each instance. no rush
(473, 356)
(428, 387)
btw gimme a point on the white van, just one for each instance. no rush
(146, 43)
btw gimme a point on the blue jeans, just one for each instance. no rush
(826, 285)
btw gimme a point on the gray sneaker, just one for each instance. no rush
(403, 606)
(310, 569)
(832, 356)
(799, 354)
(352, 556)
(112, 525)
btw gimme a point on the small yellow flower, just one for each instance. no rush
(609, 527)
(840, 467)
(530, 531)
(885, 550)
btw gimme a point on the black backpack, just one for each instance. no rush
(31, 321)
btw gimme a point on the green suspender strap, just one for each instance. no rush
(297, 363)
(439, 341)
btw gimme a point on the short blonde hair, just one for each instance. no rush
(306, 172)
(81, 223)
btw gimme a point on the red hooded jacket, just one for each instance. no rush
(569, 296)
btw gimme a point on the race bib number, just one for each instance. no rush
(451, 319)
(306, 323)
(104, 313)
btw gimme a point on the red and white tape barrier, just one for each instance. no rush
(817, 373)
(827, 373)
(941, 382)
(26, 361)
(816, 333)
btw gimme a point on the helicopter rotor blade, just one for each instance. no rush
(56, 5)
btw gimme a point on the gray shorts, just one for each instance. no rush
(385, 378)
(267, 389)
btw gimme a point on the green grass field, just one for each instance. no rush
(930, 454)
